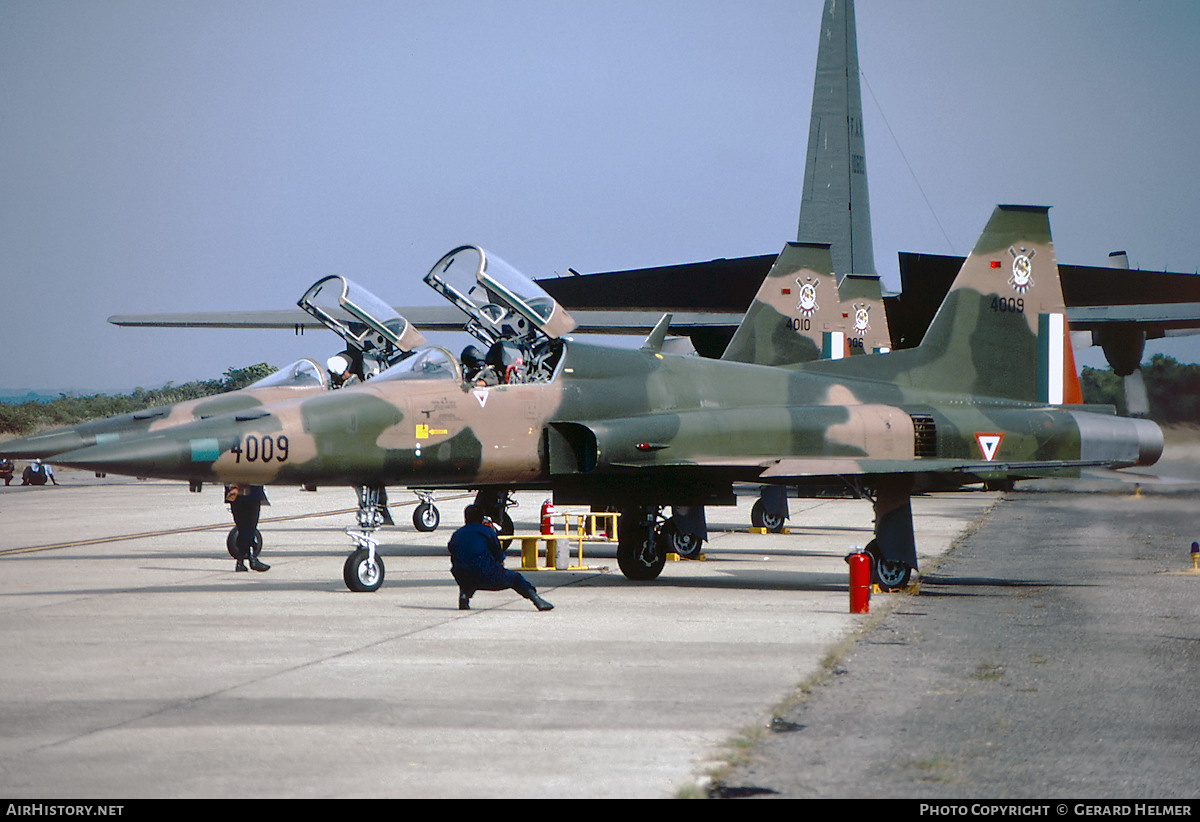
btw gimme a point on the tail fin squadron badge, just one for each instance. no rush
(808, 296)
(862, 319)
(1022, 270)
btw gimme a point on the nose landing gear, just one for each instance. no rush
(363, 571)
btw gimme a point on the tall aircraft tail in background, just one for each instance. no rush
(834, 206)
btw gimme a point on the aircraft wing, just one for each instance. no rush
(1096, 297)
(432, 318)
(809, 467)
(1151, 316)
(804, 469)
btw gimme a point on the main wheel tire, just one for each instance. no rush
(887, 574)
(761, 518)
(426, 517)
(360, 574)
(686, 545)
(231, 543)
(639, 555)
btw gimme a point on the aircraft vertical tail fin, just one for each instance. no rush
(782, 325)
(802, 313)
(1004, 321)
(1001, 331)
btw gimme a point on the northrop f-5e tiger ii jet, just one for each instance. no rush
(980, 399)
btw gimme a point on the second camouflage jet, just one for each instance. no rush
(638, 430)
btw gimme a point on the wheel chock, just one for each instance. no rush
(758, 530)
(911, 588)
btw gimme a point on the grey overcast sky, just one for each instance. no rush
(218, 155)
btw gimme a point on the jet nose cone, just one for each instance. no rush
(151, 456)
(41, 446)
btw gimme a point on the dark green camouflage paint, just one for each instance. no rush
(640, 427)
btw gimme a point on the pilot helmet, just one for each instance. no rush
(472, 357)
(337, 364)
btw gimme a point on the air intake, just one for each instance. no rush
(924, 436)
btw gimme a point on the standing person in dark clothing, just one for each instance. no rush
(477, 563)
(245, 502)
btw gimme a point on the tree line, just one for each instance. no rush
(1172, 387)
(22, 419)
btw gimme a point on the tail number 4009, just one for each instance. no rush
(1014, 305)
(261, 449)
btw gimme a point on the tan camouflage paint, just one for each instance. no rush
(150, 420)
(657, 427)
(800, 307)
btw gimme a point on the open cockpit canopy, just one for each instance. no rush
(365, 322)
(501, 303)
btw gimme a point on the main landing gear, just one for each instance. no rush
(770, 510)
(893, 552)
(889, 575)
(760, 517)
(645, 537)
(363, 571)
(639, 554)
(495, 503)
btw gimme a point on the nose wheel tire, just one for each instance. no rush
(361, 574)
(426, 517)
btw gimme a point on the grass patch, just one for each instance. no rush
(935, 769)
(987, 672)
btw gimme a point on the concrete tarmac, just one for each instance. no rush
(138, 664)
(1052, 655)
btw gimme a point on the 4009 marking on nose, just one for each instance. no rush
(261, 449)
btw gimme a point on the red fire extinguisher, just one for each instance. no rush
(860, 582)
(547, 517)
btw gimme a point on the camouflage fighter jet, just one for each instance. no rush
(376, 337)
(301, 377)
(639, 430)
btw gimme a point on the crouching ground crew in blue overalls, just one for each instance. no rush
(477, 563)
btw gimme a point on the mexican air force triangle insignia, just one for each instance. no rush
(989, 444)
